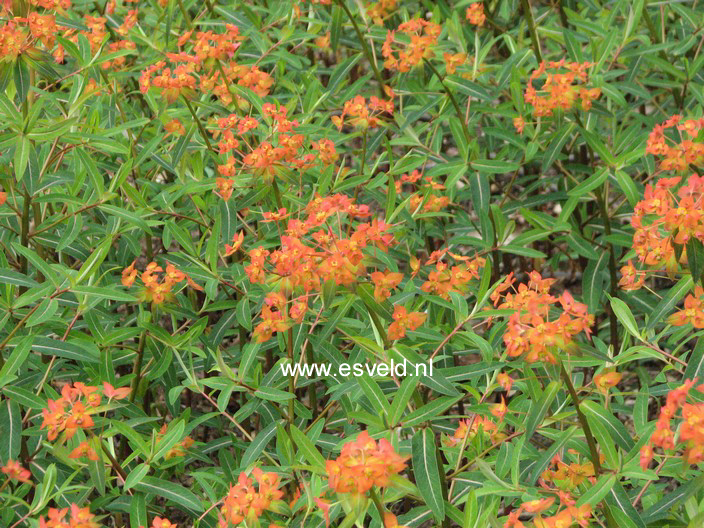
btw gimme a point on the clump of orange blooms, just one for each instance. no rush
(244, 501)
(160, 522)
(208, 68)
(362, 464)
(691, 431)
(384, 282)
(693, 311)
(565, 518)
(362, 114)
(606, 380)
(663, 218)
(403, 320)
(445, 279)
(72, 411)
(157, 282)
(568, 476)
(531, 333)
(471, 427)
(311, 253)
(378, 11)
(284, 150)
(475, 14)
(14, 470)
(403, 56)
(560, 89)
(78, 518)
(677, 155)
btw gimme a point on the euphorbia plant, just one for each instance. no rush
(216, 218)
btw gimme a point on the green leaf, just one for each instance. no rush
(432, 410)
(616, 429)
(660, 509)
(597, 491)
(8, 276)
(11, 426)
(591, 183)
(695, 258)
(17, 357)
(68, 350)
(401, 399)
(45, 311)
(494, 166)
(138, 510)
(257, 446)
(695, 362)
(538, 412)
(171, 438)
(307, 448)
(668, 301)
(104, 293)
(95, 260)
(272, 394)
(427, 472)
(625, 316)
(170, 491)
(373, 393)
(136, 475)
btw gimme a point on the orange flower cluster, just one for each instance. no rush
(384, 282)
(559, 90)
(606, 380)
(160, 522)
(631, 278)
(693, 312)
(72, 411)
(390, 521)
(691, 431)
(378, 11)
(201, 70)
(404, 321)
(475, 14)
(677, 156)
(530, 332)
(307, 263)
(444, 280)
(664, 218)
(157, 282)
(244, 501)
(78, 518)
(268, 159)
(423, 37)
(568, 476)
(453, 60)
(470, 427)
(14, 470)
(362, 464)
(364, 115)
(565, 518)
(84, 450)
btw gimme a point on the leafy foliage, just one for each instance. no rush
(198, 199)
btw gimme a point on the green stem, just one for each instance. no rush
(277, 194)
(291, 382)
(613, 321)
(199, 124)
(531, 28)
(365, 47)
(594, 454)
(450, 95)
(377, 502)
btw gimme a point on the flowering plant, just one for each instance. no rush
(224, 225)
